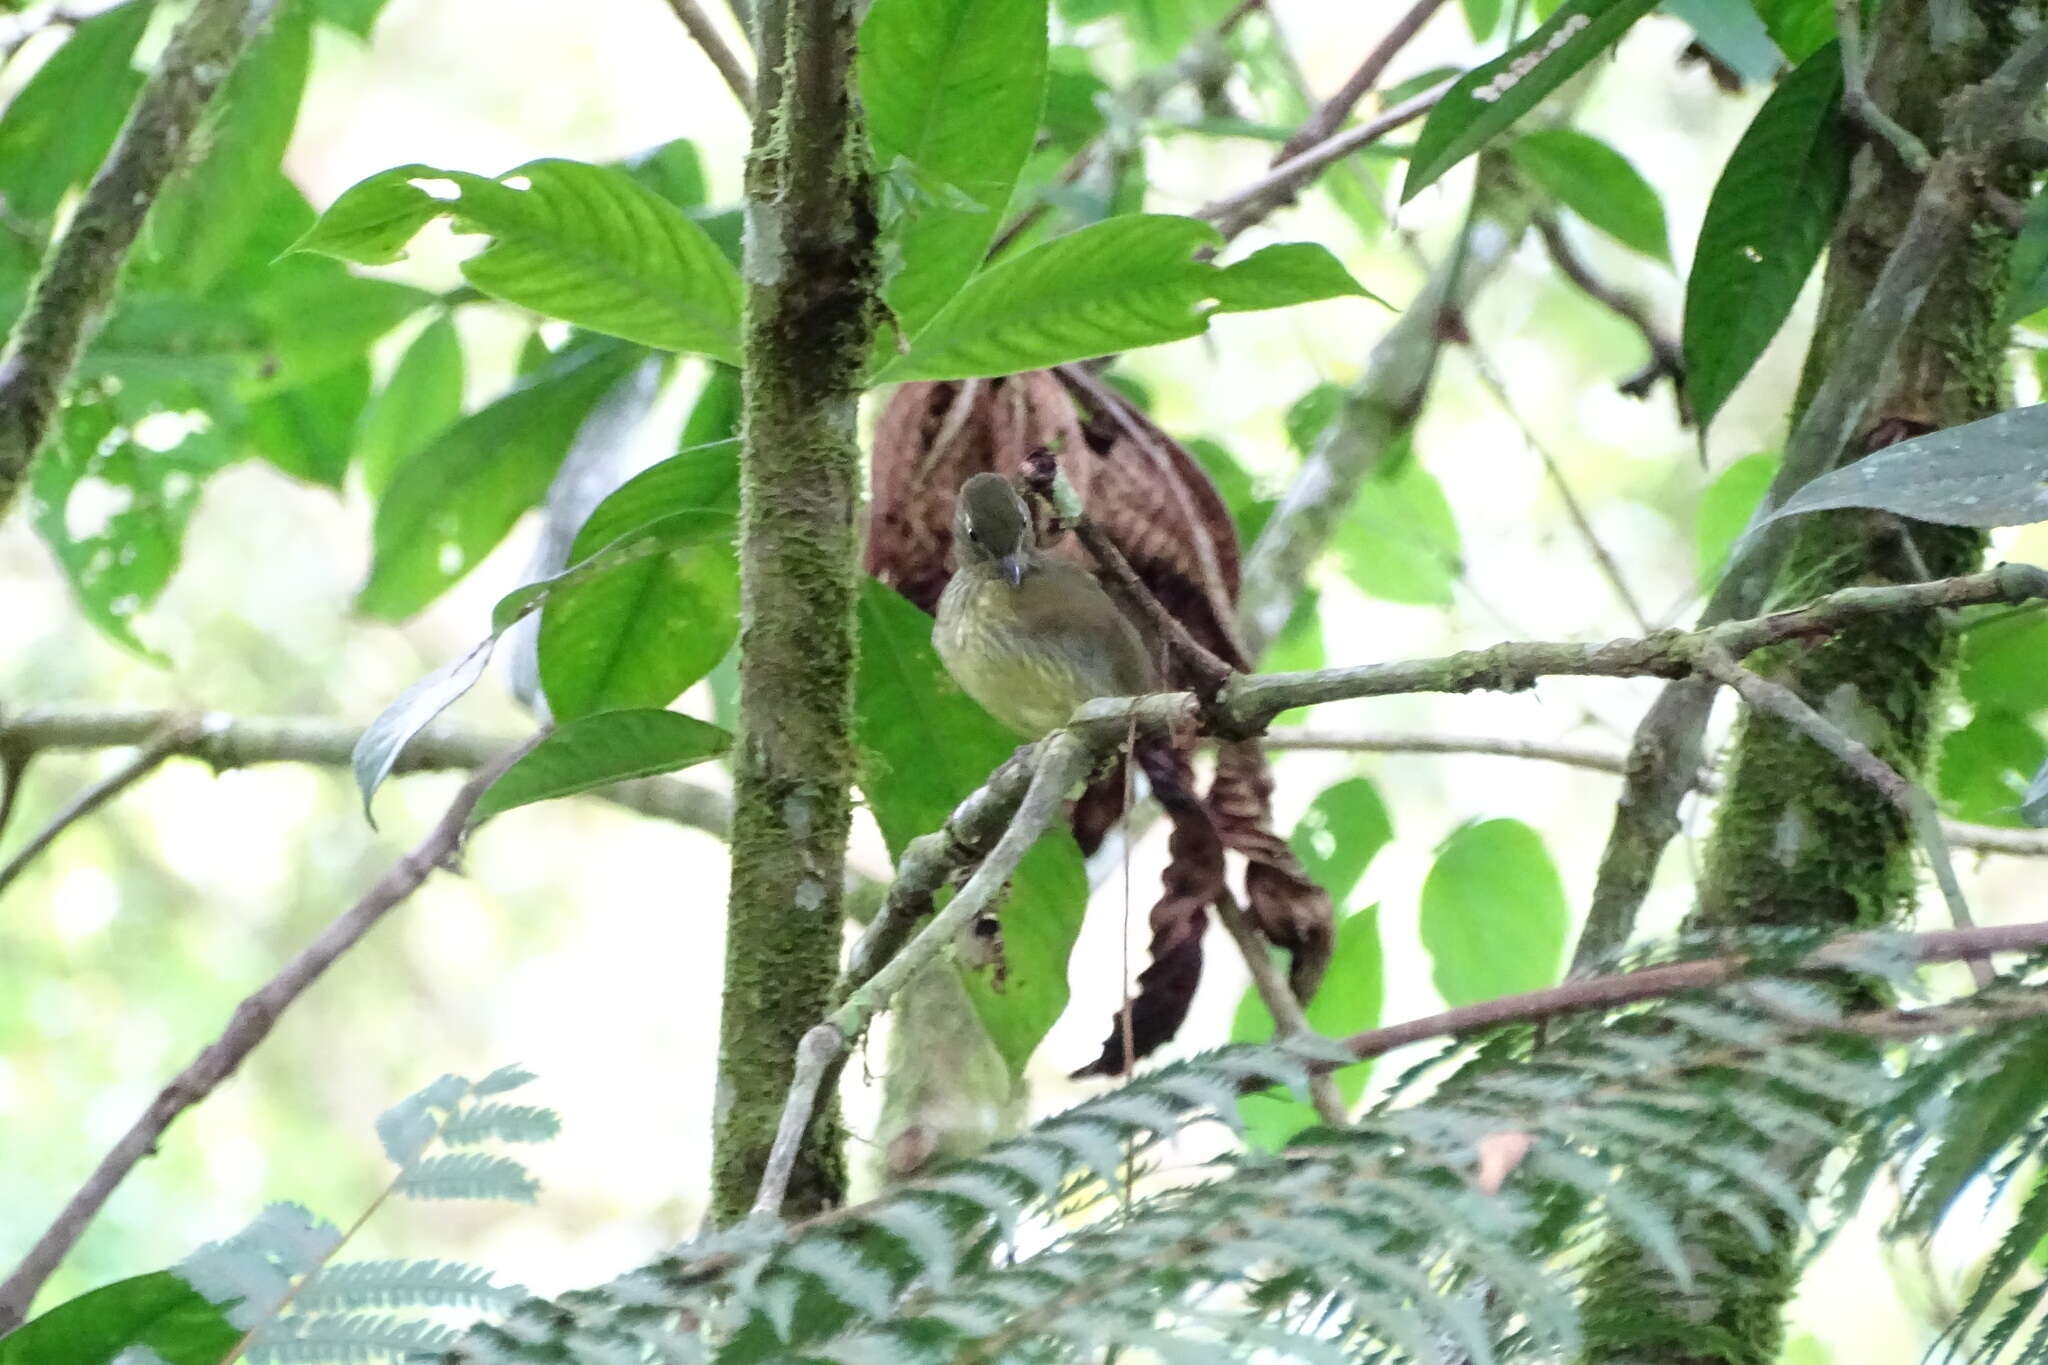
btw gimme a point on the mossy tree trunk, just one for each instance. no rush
(1799, 840)
(811, 280)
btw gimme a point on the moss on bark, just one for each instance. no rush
(812, 290)
(1799, 840)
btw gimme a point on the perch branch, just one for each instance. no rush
(75, 285)
(142, 764)
(707, 37)
(251, 1023)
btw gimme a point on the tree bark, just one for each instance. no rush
(812, 291)
(1800, 840)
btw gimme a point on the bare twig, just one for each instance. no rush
(142, 764)
(76, 283)
(224, 741)
(1271, 984)
(1857, 105)
(1060, 760)
(1235, 212)
(250, 1025)
(1338, 107)
(1913, 803)
(707, 37)
(1667, 360)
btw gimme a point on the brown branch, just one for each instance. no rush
(224, 742)
(144, 762)
(1667, 359)
(76, 284)
(1288, 1017)
(1338, 107)
(250, 1025)
(707, 37)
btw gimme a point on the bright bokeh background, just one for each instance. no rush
(585, 942)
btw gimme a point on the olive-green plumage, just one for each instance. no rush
(1028, 636)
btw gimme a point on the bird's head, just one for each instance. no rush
(992, 526)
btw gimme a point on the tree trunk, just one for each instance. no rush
(1800, 840)
(812, 285)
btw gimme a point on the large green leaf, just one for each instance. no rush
(198, 226)
(638, 634)
(925, 746)
(1120, 284)
(157, 1312)
(585, 243)
(450, 504)
(2004, 663)
(1765, 225)
(1726, 507)
(1800, 28)
(1487, 100)
(952, 90)
(596, 751)
(1339, 834)
(111, 496)
(306, 431)
(1493, 913)
(1596, 182)
(1400, 540)
(421, 399)
(1987, 764)
(57, 130)
(1349, 1002)
(357, 16)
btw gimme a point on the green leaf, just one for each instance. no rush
(1123, 283)
(1248, 507)
(1596, 182)
(158, 1312)
(199, 225)
(596, 751)
(952, 90)
(356, 16)
(675, 171)
(1339, 834)
(639, 634)
(1765, 225)
(1726, 507)
(2026, 291)
(1348, 1002)
(305, 431)
(1482, 17)
(1488, 100)
(57, 131)
(1987, 764)
(1800, 28)
(1734, 33)
(584, 243)
(111, 496)
(2003, 658)
(1493, 913)
(1311, 414)
(1283, 275)
(925, 746)
(1991, 472)
(451, 503)
(421, 399)
(1400, 541)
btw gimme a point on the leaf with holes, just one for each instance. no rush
(587, 244)
(452, 502)
(925, 745)
(641, 633)
(1488, 100)
(1765, 225)
(1127, 282)
(1493, 913)
(596, 751)
(157, 1312)
(1991, 472)
(1596, 182)
(952, 90)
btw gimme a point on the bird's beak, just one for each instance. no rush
(1013, 568)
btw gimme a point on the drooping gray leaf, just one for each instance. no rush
(1992, 472)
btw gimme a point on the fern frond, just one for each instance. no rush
(467, 1175)
(357, 1286)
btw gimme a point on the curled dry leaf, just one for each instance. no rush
(1499, 1154)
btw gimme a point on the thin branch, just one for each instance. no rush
(251, 1023)
(1060, 761)
(2022, 843)
(1278, 187)
(1278, 997)
(76, 284)
(1913, 803)
(1858, 106)
(708, 38)
(1338, 107)
(144, 762)
(224, 741)
(1667, 359)
(1984, 122)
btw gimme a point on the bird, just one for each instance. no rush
(1028, 636)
